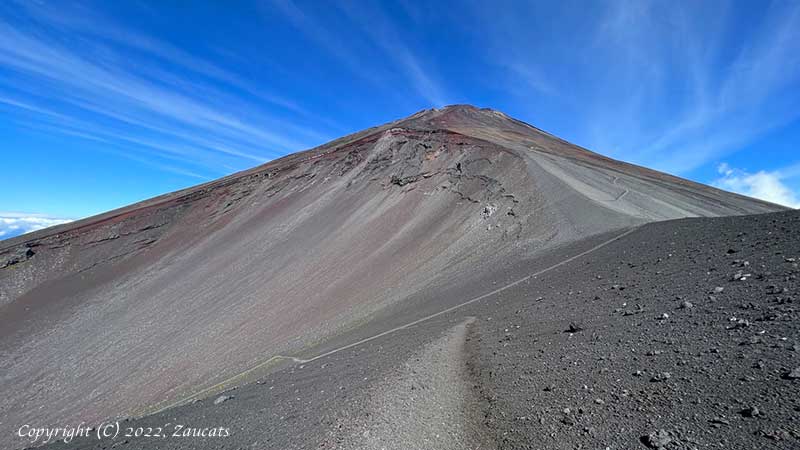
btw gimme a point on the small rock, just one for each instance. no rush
(22, 254)
(656, 439)
(751, 411)
(753, 340)
(793, 374)
(718, 289)
(739, 323)
(222, 399)
(599, 401)
(574, 328)
(660, 377)
(719, 421)
(775, 435)
(774, 290)
(686, 305)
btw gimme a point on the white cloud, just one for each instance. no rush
(151, 100)
(669, 85)
(754, 95)
(763, 185)
(13, 224)
(383, 34)
(380, 34)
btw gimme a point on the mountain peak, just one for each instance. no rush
(460, 116)
(462, 107)
(285, 256)
(458, 108)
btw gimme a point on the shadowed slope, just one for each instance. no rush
(147, 304)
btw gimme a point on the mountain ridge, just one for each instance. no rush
(295, 158)
(291, 254)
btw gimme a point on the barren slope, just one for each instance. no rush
(576, 356)
(139, 307)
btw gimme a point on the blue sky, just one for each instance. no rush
(106, 103)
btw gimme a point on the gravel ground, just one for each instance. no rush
(134, 310)
(681, 335)
(427, 403)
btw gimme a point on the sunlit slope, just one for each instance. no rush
(150, 303)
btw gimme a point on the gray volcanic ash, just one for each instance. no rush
(137, 308)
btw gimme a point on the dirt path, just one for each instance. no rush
(427, 403)
(232, 381)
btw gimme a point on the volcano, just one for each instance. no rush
(185, 295)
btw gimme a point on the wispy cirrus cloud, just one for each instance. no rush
(14, 223)
(674, 86)
(83, 76)
(84, 20)
(380, 36)
(724, 109)
(384, 34)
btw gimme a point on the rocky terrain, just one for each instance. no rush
(679, 335)
(319, 282)
(683, 335)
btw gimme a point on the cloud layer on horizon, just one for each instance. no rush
(14, 224)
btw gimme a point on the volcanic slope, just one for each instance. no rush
(677, 335)
(132, 310)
